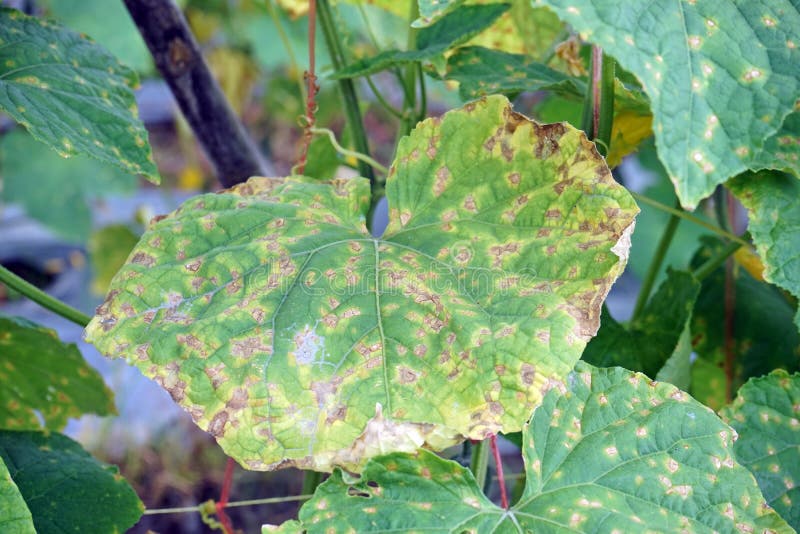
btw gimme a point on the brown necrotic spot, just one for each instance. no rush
(217, 425)
(407, 376)
(141, 258)
(216, 373)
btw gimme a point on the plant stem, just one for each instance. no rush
(423, 96)
(712, 264)
(479, 464)
(498, 462)
(655, 264)
(348, 89)
(730, 307)
(689, 217)
(410, 75)
(382, 101)
(235, 504)
(598, 108)
(311, 480)
(311, 79)
(350, 153)
(227, 525)
(42, 299)
(293, 64)
(177, 56)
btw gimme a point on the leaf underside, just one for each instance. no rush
(296, 338)
(712, 108)
(610, 452)
(71, 94)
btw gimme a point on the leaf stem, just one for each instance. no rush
(350, 153)
(689, 217)
(42, 299)
(227, 525)
(655, 264)
(382, 101)
(235, 504)
(498, 462)
(410, 75)
(311, 479)
(712, 264)
(598, 109)
(352, 111)
(729, 345)
(479, 464)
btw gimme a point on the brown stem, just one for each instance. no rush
(178, 58)
(729, 345)
(501, 479)
(313, 88)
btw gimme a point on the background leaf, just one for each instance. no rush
(63, 485)
(56, 191)
(109, 247)
(15, 518)
(295, 337)
(766, 415)
(614, 452)
(771, 199)
(692, 77)
(71, 94)
(45, 379)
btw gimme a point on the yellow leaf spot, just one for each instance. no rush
(752, 74)
(694, 41)
(768, 21)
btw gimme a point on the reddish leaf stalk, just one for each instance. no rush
(311, 79)
(227, 525)
(730, 309)
(501, 479)
(597, 74)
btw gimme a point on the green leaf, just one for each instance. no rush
(771, 199)
(681, 53)
(109, 247)
(64, 487)
(782, 150)
(523, 29)
(71, 94)
(481, 71)
(32, 173)
(45, 378)
(766, 415)
(613, 452)
(452, 30)
(765, 336)
(15, 518)
(296, 338)
(655, 336)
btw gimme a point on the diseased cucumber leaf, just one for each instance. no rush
(771, 199)
(109, 247)
(766, 415)
(452, 30)
(611, 452)
(45, 381)
(71, 94)
(782, 150)
(63, 486)
(32, 173)
(15, 518)
(765, 336)
(296, 338)
(655, 336)
(712, 109)
(523, 29)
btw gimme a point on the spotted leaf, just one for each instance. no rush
(15, 518)
(610, 452)
(712, 108)
(296, 338)
(45, 381)
(766, 414)
(771, 199)
(70, 93)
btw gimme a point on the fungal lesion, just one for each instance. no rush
(309, 347)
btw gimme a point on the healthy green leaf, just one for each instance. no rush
(70, 93)
(764, 334)
(712, 108)
(32, 173)
(45, 379)
(612, 452)
(64, 487)
(655, 336)
(766, 415)
(296, 338)
(481, 71)
(452, 30)
(771, 199)
(15, 518)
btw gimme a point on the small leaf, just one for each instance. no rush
(452, 30)
(70, 93)
(64, 487)
(692, 77)
(296, 338)
(766, 415)
(655, 336)
(764, 334)
(15, 518)
(771, 199)
(481, 71)
(43, 377)
(32, 172)
(613, 452)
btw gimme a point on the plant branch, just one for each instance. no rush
(348, 89)
(689, 217)
(178, 58)
(42, 299)
(655, 264)
(730, 307)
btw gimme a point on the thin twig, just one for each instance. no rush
(234, 504)
(349, 153)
